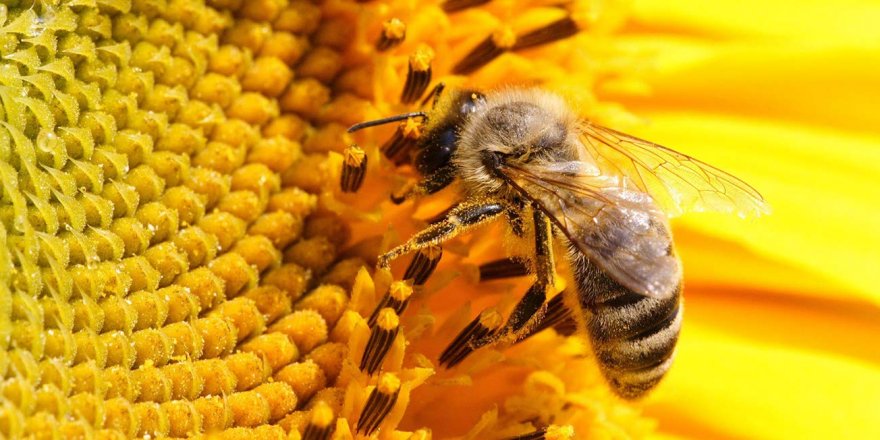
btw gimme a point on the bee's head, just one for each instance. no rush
(520, 132)
(515, 128)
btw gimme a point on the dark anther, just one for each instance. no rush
(503, 268)
(396, 298)
(457, 5)
(434, 96)
(423, 264)
(505, 40)
(393, 33)
(321, 423)
(481, 328)
(354, 168)
(418, 76)
(381, 338)
(489, 49)
(402, 142)
(379, 404)
(558, 30)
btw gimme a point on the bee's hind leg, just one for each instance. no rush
(466, 215)
(527, 314)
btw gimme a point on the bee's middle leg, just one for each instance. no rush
(531, 307)
(466, 215)
(527, 314)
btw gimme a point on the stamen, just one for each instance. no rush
(456, 5)
(558, 30)
(381, 338)
(379, 404)
(404, 139)
(483, 326)
(393, 33)
(503, 268)
(354, 168)
(489, 49)
(396, 298)
(548, 433)
(423, 264)
(321, 424)
(402, 193)
(418, 76)
(434, 96)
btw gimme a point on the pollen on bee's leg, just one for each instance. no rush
(482, 327)
(493, 46)
(548, 433)
(503, 268)
(396, 298)
(404, 139)
(354, 168)
(557, 30)
(423, 264)
(379, 404)
(321, 423)
(381, 338)
(458, 5)
(393, 33)
(418, 76)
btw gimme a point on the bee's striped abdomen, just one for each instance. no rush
(633, 336)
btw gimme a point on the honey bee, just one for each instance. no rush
(604, 196)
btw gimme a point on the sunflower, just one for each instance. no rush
(178, 257)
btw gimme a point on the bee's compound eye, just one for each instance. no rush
(437, 155)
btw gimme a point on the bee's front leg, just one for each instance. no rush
(467, 215)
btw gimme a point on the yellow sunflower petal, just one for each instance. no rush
(815, 21)
(772, 368)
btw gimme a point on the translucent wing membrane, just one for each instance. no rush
(619, 230)
(677, 182)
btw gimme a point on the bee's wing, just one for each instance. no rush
(676, 181)
(620, 230)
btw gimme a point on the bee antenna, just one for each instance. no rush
(388, 120)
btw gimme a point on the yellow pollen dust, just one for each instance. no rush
(388, 384)
(400, 290)
(504, 37)
(559, 433)
(491, 319)
(394, 29)
(322, 415)
(412, 129)
(420, 61)
(353, 155)
(387, 319)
